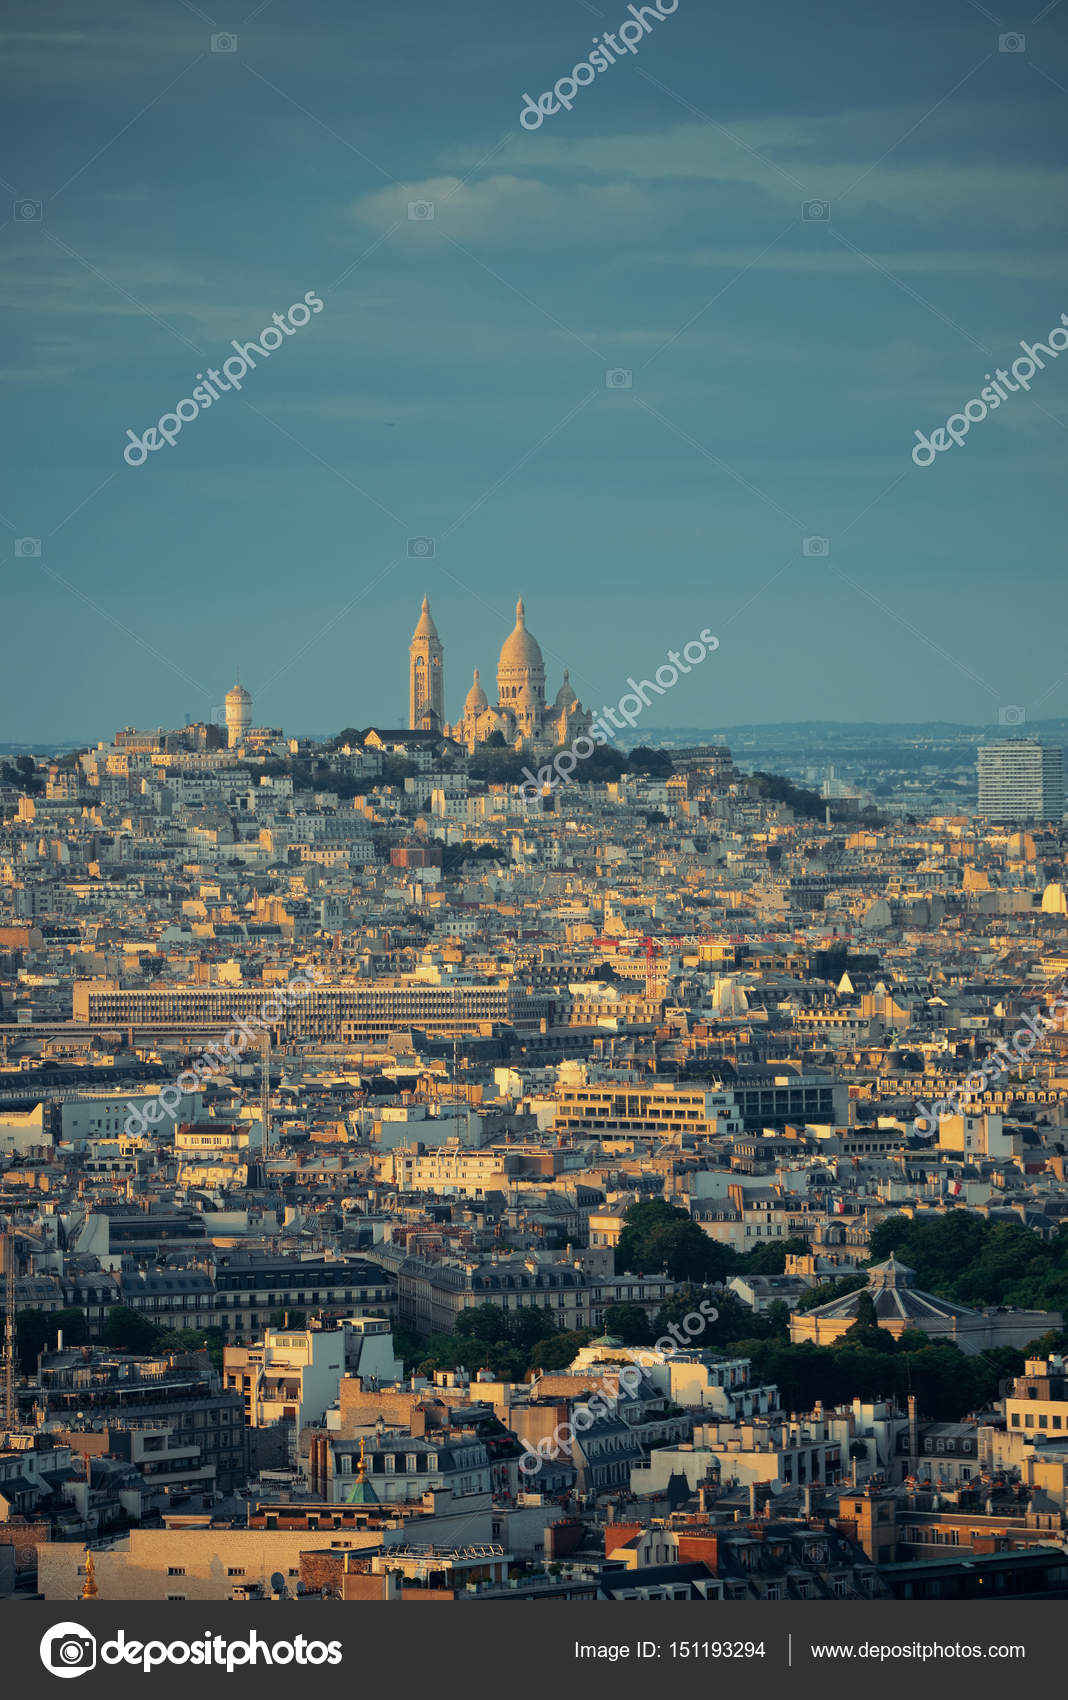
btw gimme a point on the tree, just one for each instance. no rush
(497, 766)
(129, 1331)
(33, 1329)
(656, 763)
(603, 767)
(629, 1324)
(557, 1351)
(71, 1323)
(660, 1236)
(974, 1261)
(769, 1258)
(208, 1340)
(773, 788)
(831, 1290)
(866, 1316)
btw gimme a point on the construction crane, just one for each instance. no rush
(650, 949)
(9, 1415)
(265, 1089)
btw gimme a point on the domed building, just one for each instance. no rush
(900, 1307)
(521, 715)
(238, 714)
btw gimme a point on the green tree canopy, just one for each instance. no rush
(128, 1330)
(975, 1261)
(830, 1290)
(658, 1235)
(629, 1324)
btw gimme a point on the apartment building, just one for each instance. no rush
(430, 1296)
(1021, 779)
(449, 1170)
(356, 1012)
(291, 1377)
(668, 1112)
(249, 1287)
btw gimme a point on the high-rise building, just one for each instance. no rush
(1021, 779)
(426, 675)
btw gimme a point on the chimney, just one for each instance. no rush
(752, 1499)
(914, 1432)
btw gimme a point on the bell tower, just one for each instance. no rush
(426, 675)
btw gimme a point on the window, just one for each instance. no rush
(176, 1570)
(233, 1570)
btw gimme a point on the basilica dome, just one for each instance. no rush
(521, 651)
(565, 696)
(477, 700)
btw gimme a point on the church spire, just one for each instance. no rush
(426, 674)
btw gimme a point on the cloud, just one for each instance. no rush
(517, 212)
(931, 164)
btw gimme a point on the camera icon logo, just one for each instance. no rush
(420, 210)
(27, 212)
(420, 548)
(816, 209)
(1011, 715)
(218, 714)
(224, 42)
(68, 1650)
(618, 378)
(1012, 43)
(27, 548)
(815, 546)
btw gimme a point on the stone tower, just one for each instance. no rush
(426, 676)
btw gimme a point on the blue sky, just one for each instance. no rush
(454, 385)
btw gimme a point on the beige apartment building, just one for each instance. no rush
(667, 1111)
(448, 1169)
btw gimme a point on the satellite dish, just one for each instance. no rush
(278, 1583)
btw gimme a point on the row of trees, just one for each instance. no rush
(866, 1363)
